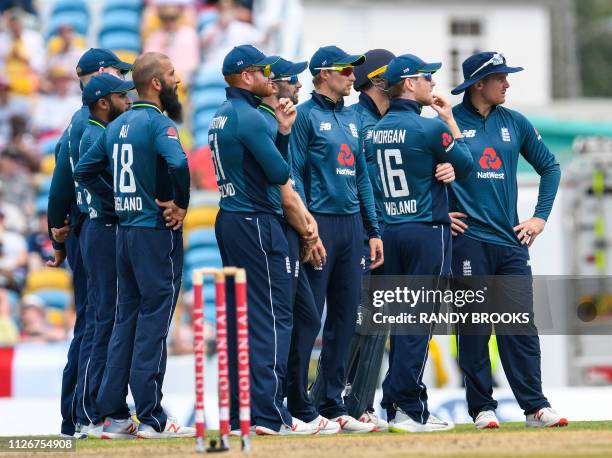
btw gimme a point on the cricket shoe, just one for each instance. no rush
(352, 425)
(402, 423)
(372, 417)
(545, 418)
(172, 430)
(486, 420)
(238, 433)
(95, 430)
(80, 431)
(124, 429)
(298, 428)
(325, 425)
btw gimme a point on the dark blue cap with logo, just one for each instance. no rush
(102, 85)
(375, 65)
(95, 58)
(285, 68)
(329, 56)
(245, 56)
(481, 64)
(408, 65)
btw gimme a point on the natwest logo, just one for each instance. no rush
(345, 156)
(490, 160)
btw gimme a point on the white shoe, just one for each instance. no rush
(80, 431)
(402, 423)
(545, 418)
(352, 425)
(298, 428)
(119, 429)
(238, 433)
(173, 429)
(95, 431)
(325, 425)
(486, 420)
(372, 417)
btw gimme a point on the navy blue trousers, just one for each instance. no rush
(257, 242)
(413, 249)
(149, 270)
(337, 283)
(306, 326)
(519, 354)
(84, 405)
(69, 398)
(100, 258)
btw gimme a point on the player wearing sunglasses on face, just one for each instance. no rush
(495, 242)
(408, 148)
(250, 166)
(331, 176)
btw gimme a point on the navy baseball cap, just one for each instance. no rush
(285, 68)
(95, 58)
(329, 56)
(481, 64)
(245, 56)
(408, 65)
(103, 84)
(375, 64)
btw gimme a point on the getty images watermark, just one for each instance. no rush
(478, 305)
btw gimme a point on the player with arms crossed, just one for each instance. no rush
(417, 236)
(143, 149)
(490, 238)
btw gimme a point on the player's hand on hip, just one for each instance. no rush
(377, 256)
(457, 226)
(173, 215)
(285, 115)
(61, 234)
(445, 173)
(58, 258)
(529, 230)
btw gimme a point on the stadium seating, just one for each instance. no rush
(78, 20)
(122, 5)
(63, 6)
(208, 77)
(201, 237)
(55, 298)
(47, 278)
(120, 20)
(121, 41)
(205, 19)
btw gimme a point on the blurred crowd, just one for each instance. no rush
(39, 92)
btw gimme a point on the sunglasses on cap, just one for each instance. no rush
(497, 59)
(427, 75)
(288, 79)
(266, 70)
(344, 71)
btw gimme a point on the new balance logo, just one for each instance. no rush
(325, 126)
(469, 133)
(173, 428)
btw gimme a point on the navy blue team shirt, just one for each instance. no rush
(489, 194)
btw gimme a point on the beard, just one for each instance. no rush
(284, 92)
(170, 102)
(114, 113)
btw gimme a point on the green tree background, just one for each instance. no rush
(594, 42)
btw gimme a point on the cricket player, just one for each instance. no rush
(65, 224)
(306, 320)
(417, 229)
(107, 98)
(331, 176)
(490, 240)
(144, 152)
(250, 168)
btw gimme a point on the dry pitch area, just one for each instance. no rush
(512, 440)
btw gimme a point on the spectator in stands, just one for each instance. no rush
(54, 109)
(40, 248)
(22, 53)
(175, 39)
(13, 258)
(9, 107)
(22, 141)
(227, 32)
(65, 50)
(8, 329)
(34, 324)
(15, 180)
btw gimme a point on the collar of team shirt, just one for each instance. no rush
(239, 93)
(326, 102)
(405, 105)
(467, 103)
(368, 103)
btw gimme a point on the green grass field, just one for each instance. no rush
(511, 440)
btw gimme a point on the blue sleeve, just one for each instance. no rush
(90, 167)
(268, 156)
(451, 150)
(61, 192)
(544, 163)
(374, 174)
(97, 184)
(366, 196)
(168, 146)
(299, 150)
